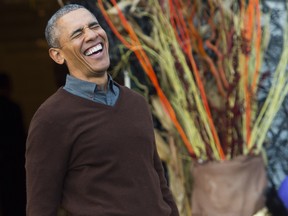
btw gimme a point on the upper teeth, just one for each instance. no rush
(94, 49)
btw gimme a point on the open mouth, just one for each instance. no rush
(94, 50)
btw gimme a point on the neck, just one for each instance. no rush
(100, 80)
(102, 87)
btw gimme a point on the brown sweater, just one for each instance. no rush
(95, 160)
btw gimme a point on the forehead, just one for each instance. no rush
(75, 19)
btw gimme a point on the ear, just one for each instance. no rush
(56, 55)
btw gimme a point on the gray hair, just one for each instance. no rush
(50, 30)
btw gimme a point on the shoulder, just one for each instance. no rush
(132, 99)
(53, 107)
(131, 94)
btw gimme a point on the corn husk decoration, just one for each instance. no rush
(209, 57)
(204, 61)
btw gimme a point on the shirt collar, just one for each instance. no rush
(87, 88)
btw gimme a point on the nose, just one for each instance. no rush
(90, 34)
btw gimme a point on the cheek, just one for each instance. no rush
(73, 55)
(103, 34)
(75, 59)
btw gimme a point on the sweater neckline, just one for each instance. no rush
(93, 103)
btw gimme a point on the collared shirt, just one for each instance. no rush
(90, 91)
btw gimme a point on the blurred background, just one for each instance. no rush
(23, 52)
(32, 77)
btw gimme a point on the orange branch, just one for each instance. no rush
(195, 34)
(214, 72)
(220, 61)
(247, 35)
(188, 50)
(257, 46)
(212, 67)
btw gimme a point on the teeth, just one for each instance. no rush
(94, 50)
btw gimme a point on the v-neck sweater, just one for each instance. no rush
(95, 160)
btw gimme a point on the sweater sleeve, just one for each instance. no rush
(167, 195)
(46, 162)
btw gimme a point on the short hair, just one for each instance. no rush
(50, 30)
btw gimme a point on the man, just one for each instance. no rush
(90, 147)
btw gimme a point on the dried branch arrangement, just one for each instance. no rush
(204, 58)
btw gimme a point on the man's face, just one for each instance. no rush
(84, 44)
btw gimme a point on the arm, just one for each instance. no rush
(167, 195)
(46, 162)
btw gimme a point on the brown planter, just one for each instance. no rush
(229, 188)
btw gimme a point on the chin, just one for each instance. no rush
(101, 68)
(101, 72)
(104, 68)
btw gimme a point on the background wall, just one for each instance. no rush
(24, 55)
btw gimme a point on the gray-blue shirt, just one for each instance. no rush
(89, 90)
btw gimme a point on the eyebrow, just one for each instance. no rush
(81, 29)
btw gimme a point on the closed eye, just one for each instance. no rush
(77, 33)
(94, 25)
